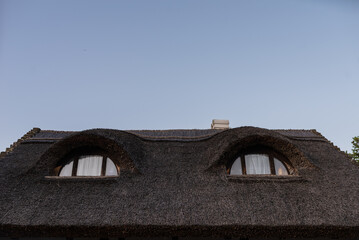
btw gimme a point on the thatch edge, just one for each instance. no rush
(332, 144)
(27, 135)
(144, 137)
(288, 231)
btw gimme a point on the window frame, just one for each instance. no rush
(260, 150)
(74, 157)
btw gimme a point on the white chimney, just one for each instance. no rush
(220, 124)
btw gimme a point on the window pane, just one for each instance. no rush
(279, 167)
(67, 170)
(111, 169)
(257, 164)
(89, 166)
(236, 168)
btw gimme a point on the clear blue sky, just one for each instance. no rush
(75, 65)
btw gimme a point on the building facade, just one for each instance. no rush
(240, 183)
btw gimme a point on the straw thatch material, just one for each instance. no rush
(28, 135)
(174, 183)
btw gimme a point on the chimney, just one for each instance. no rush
(220, 124)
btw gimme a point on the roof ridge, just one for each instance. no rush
(177, 129)
(26, 136)
(331, 143)
(173, 137)
(141, 134)
(307, 130)
(61, 131)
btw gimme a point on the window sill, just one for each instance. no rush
(265, 178)
(81, 178)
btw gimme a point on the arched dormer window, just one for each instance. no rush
(259, 161)
(90, 165)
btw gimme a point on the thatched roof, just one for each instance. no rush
(174, 183)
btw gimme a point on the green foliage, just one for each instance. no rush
(355, 150)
